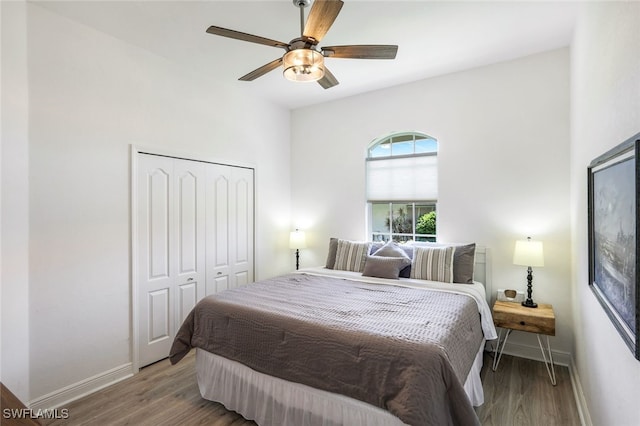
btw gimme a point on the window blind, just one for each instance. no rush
(402, 179)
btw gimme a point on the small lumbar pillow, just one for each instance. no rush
(351, 255)
(433, 263)
(385, 267)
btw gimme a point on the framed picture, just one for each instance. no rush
(613, 185)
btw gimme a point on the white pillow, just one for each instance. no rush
(433, 263)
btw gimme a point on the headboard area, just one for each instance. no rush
(481, 267)
(482, 270)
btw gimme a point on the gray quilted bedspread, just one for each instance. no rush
(405, 350)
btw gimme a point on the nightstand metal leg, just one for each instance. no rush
(496, 355)
(551, 371)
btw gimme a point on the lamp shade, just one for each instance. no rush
(303, 65)
(297, 240)
(528, 253)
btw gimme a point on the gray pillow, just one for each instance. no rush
(384, 267)
(391, 249)
(375, 246)
(464, 259)
(331, 256)
(406, 272)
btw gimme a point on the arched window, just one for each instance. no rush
(402, 187)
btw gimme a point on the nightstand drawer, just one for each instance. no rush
(540, 320)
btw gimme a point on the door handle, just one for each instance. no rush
(190, 279)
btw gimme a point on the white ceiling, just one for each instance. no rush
(434, 38)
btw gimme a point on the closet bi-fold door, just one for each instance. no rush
(229, 224)
(171, 249)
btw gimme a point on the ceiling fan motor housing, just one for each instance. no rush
(302, 43)
(301, 3)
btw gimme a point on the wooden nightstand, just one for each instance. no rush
(513, 316)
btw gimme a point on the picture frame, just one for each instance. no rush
(614, 223)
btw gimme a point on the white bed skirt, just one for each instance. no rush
(271, 401)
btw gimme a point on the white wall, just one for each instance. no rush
(503, 165)
(504, 134)
(14, 278)
(605, 99)
(90, 97)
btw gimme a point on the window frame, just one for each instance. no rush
(389, 139)
(389, 234)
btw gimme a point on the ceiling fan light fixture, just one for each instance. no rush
(303, 65)
(302, 62)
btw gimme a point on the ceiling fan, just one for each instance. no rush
(302, 61)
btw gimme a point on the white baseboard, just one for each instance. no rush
(581, 402)
(533, 352)
(60, 397)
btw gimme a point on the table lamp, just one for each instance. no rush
(297, 241)
(528, 253)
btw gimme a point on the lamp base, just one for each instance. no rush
(528, 302)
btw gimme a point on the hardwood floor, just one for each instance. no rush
(519, 393)
(10, 403)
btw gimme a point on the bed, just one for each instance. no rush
(327, 346)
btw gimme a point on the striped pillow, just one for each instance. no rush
(351, 255)
(433, 263)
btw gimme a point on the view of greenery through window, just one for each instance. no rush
(403, 221)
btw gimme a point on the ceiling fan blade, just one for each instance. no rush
(224, 32)
(259, 72)
(321, 17)
(362, 51)
(328, 80)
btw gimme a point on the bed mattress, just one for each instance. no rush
(271, 401)
(385, 345)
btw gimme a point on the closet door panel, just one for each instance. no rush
(157, 211)
(217, 284)
(242, 278)
(241, 221)
(188, 297)
(189, 227)
(217, 224)
(158, 318)
(220, 222)
(187, 223)
(155, 258)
